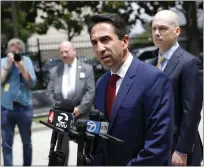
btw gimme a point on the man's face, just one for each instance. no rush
(163, 33)
(67, 53)
(14, 49)
(109, 50)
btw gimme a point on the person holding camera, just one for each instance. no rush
(17, 78)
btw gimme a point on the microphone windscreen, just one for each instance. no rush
(94, 114)
(101, 116)
(67, 105)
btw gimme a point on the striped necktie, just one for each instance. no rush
(161, 59)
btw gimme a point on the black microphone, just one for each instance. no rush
(65, 105)
(61, 118)
(62, 114)
(81, 128)
(101, 128)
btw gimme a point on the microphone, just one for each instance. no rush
(94, 125)
(61, 115)
(65, 105)
(100, 128)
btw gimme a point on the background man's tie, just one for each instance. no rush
(111, 93)
(161, 59)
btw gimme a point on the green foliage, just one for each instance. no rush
(72, 16)
(25, 14)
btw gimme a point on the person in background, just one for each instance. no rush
(136, 98)
(185, 72)
(72, 80)
(17, 79)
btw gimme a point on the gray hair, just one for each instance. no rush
(16, 42)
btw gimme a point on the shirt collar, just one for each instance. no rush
(123, 69)
(71, 65)
(170, 51)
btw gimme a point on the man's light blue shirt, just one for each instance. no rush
(15, 87)
(167, 55)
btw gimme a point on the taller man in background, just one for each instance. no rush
(73, 80)
(185, 72)
(17, 79)
(136, 98)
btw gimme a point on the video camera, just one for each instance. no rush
(83, 132)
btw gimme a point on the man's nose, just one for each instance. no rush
(100, 47)
(64, 54)
(157, 33)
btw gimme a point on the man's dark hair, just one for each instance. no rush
(121, 28)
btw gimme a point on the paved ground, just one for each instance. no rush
(41, 140)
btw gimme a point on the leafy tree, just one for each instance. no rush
(72, 16)
(19, 18)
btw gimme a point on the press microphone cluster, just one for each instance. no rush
(83, 132)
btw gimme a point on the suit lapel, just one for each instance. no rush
(155, 55)
(102, 101)
(59, 78)
(77, 83)
(154, 62)
(122, 92)
(173, 61)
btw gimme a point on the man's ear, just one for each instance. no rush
(178, 31)
(125, 41)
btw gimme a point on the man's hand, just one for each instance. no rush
(179, 159)
(19, 65)
(22, 70)
(76, 112)
(10, 60)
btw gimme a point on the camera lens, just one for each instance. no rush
(17, 57)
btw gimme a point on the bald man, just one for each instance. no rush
(185, 72)
(74, 80)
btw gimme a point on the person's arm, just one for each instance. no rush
(26, 69)
(4, 74)
(6, 68)
(50, 86)
(159, 116)
(192, 96)
(89, 94)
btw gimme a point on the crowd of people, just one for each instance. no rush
(154, 108)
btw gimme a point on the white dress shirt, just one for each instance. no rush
(122, 71)
(69, 79)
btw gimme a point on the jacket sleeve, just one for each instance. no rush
(89, 94)
(50, 86)
(192, 98)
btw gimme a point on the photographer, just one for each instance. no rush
(17, 78)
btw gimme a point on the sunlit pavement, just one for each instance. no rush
(41, 141)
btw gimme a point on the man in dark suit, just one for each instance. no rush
(135, 97)
(185, 72)
(72, 80)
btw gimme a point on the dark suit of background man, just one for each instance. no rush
(142, 112)
(185, 72)
(74, 80)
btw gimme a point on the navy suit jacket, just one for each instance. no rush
(142, 116)
(185, 72)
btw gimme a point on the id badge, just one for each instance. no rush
(6, 87)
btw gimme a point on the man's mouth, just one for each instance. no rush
(104, 58)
